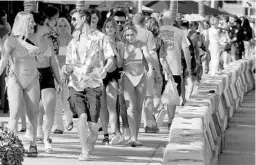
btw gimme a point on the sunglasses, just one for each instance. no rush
(73, 19)
(120, 22)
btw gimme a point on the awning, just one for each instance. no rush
(184, 7)
(147, 9)
(72, 2)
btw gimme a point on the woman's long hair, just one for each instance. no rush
(21, 22)
(117, 35)
(62, 19)
(129, 26)
(152, 25)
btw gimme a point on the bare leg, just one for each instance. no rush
(130, 101)
(58, 117)
(15, 95)
(49, 103)
(32, 103)
(140, 93)
(82, 128)
(148, 102)
(23, 119)
(104, 115)
(111, 91)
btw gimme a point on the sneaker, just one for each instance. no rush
(160, 117)
(153, 129)
(83, 157)
(114, 139)
(105, 141)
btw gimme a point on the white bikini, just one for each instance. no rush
(131, 58)
(23, 49)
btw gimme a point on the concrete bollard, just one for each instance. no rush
(213, 104)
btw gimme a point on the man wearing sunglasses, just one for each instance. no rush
(120, 18)
(89, 57)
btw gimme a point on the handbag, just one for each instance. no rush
(170, 95)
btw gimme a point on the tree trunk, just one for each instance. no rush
(201, 8)
(139, 6)
(174, 9)
(30, 5)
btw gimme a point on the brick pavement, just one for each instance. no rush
(67, 148)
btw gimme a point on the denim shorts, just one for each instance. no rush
(87, 101)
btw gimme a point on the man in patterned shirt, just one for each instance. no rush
(89, 57)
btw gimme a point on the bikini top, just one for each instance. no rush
(21, 48)
(133, 54)
(62, 50)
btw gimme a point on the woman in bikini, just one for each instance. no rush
(136, 62)
(23, 79)
(64, 32)
(49, 71)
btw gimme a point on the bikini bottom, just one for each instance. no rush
(135, 80)
(25, 82)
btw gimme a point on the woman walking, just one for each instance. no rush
(136, 59)
(23, 79)
(64, 32)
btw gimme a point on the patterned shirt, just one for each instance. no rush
(54, 37)
(88, 53)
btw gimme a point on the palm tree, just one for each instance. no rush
(174, 9)
(201, 8)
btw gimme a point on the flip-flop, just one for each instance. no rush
(132, 143)
(32, 151)
(70, 126)
(57, 131)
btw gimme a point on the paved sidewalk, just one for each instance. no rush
(240, 135)
(67, 148)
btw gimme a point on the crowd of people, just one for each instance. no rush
(104, 74)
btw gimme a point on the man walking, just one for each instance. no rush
(175, 42)
(89, 57)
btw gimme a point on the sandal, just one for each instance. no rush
(40, 140)
(132, 143)
(23, 130)
(105, 141)
(58, 131)
(138, 143)
(32, 151)
(48, 148)
(70, 126)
